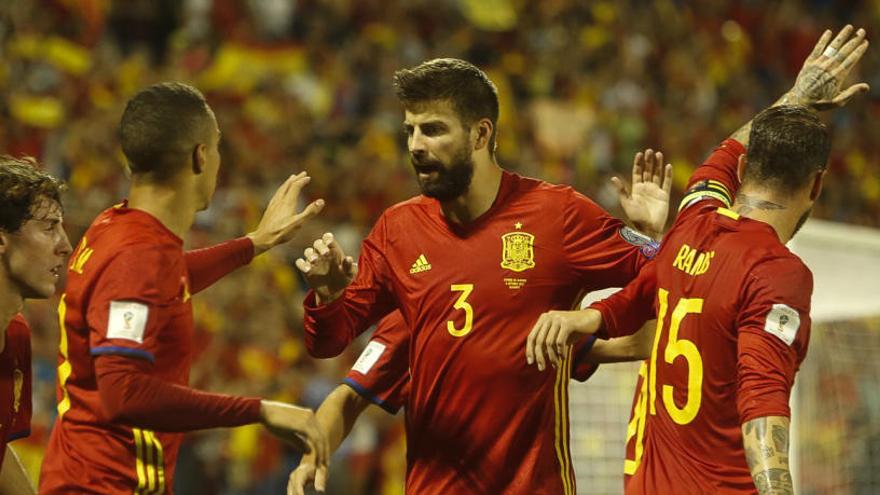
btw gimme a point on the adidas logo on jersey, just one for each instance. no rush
(421, 265)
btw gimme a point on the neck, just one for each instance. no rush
(480, 195)
(169, 202)
(768, 207)
(10, 305)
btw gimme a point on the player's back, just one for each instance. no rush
(125, 255)
(688, 418)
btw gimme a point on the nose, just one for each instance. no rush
(417, 144)
(64, 247)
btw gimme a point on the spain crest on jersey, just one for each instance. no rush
(18, 383)
(518, 251)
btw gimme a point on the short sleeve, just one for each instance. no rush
(381, 373)
(599, 248)
(773, 335)
(131, 300)
(22, 385)
(716, 179)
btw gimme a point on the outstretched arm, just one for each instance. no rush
(766, 444)
(279, 224)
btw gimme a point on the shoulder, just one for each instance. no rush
(18, 327)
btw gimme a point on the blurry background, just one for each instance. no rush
(306, 84)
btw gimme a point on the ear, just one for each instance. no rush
(484, 130)
(4, 242)
(198, 159)
(741, 168)
(817, 185)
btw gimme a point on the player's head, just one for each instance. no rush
(33, 244)
(167, 132)
(451, 110)
(788, 152)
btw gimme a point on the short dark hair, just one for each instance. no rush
(22, 187)
(788, 144)
(472, 94)
(161, 125)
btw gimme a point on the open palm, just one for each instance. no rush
(647, 204)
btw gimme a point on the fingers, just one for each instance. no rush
(620, 186)
(638, 167)
(838, 40)
(820, 45)
(657, 169)
(850, 61)
(851, 45)
(667, 179)
(561, 342)
(548, 343)
(321, 479)
(296, 182)
(349, 267)
(303, 265)
(300, 478)
(649, 166)
(310, 211)
(534, 343)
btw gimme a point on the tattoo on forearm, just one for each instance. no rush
(780, 438)
(765, 441)
(774, 482)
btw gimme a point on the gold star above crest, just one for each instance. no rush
(518, 225)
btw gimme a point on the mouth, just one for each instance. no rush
(56, 271)
(427, 171)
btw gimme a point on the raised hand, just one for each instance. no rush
(647, 205)
(555, 331)
(280, 220)
(298, 426)
(327, 269)
(821, 78)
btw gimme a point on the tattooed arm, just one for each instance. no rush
(821, 78)
(766, 444)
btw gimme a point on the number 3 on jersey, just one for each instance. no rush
(462, 304)
(675, 348)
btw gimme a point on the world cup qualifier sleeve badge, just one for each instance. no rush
(518, 251)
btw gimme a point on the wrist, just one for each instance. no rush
(324, 296)
(261, 245)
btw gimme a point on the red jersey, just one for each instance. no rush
(15, 384)
(381, 373)
(479, 419)
(128, 295)
(733, 312)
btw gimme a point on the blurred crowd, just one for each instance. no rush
(306, 85)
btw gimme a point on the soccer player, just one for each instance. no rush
(126, 316)
(380, 377)
(471, 264)
(732, 303)
(33, 250)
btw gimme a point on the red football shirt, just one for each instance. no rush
(128, 294)
(15, 384)
(479, 419)
(381, 373)
(733, 311)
